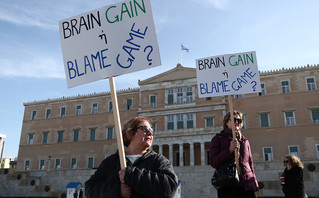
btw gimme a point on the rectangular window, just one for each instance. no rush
(152, 101)
(73, 163)
(27, 165)
(311, 85)
(264, 120)
(92, 134)
(244, 121)
(263, 89)
(41, 164)
(315, 116)
(45, 137)
(110, 106)
(78, 110)
(268, 156)
(180, 122)
(76, 133)
(285, 86)
(129, 103)
(238, 96)
(48, 113)
(190, 121)
(294, 150)
(110, 133)
(90, 162)
(154, 126)
(189, 94)
(30, 138)
(209, 122)
(179, 95)
(289, 118)
(170, 122)
(170, 96)
(57, 164)
(63, 112)
(94, 108)
(317, 150)
(34, 115)
(60, 136)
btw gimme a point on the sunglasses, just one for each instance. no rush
(238, 120)
(286, 161)
(145, 129)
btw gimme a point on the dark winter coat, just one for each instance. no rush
(152, 175)
(294, 186)
(219, 155)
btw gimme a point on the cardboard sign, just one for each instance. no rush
(228, 74)
(110, 41)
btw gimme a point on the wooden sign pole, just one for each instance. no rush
(231, 110)
(118, 130)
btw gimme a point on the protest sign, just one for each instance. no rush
(228, 74)
(107, 42)
(110, 41)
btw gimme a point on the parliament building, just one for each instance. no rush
(76, 133)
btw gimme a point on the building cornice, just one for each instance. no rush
(288, 70)
(84, 96)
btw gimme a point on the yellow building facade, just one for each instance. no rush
(72, 135)
(78, 132)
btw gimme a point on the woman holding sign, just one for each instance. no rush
(222, 149)
(148, 174)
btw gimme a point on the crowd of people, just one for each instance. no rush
(149, 174)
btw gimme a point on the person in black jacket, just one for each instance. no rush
(148, 174)
(292, 178)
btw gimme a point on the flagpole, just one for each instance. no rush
(181, 54)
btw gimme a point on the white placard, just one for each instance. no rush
(110, 41)
(228, 74)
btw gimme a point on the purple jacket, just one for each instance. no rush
(219, 154)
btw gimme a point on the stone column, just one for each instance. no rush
(202, 153)
(170, 153)
(181, 151)
(160, 149)
(191, 153)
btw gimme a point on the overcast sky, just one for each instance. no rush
(283, 33)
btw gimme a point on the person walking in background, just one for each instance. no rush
(222, 151)
(147, 174)
(292, 178)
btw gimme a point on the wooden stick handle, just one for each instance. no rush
(231, 110)
(118, 130)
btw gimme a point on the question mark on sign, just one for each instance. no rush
(148, 55)
(254, 86)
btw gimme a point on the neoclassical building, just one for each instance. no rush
(78, 132)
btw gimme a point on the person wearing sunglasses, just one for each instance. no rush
(221, 152)
(292, 178)
(147, 174)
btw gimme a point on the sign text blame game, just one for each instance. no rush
(110, 41)
(228, 74)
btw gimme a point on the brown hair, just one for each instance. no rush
(227, 118)
(294, 161)
(130, 129)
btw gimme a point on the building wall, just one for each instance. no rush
(67, 149)
(191, 140)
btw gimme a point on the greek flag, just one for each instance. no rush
(184, 48)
